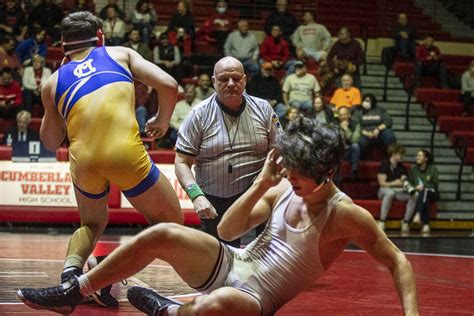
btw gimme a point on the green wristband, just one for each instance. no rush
(193, 191)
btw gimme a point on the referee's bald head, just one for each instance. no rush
(228, 63)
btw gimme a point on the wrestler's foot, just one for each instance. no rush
(103, 296)
(61, 299)
(148, 301)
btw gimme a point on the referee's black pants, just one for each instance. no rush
(222, 205)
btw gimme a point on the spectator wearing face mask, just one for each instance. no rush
(376, 124)
(217, 27)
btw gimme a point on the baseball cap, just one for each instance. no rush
(299, 64)
(267, 65)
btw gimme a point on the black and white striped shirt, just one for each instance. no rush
(229, 148)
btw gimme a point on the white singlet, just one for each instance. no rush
(279, 263)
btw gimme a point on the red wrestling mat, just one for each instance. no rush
(354, 285)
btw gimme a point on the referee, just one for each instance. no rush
(227, 136)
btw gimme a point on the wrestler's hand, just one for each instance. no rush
(272, 171)
(204, 208)
(156, 127)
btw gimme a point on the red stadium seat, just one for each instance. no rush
(436, 95)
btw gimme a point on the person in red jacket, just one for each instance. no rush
(11, 98)
(276, 50)
(429, 62)
(216, 29)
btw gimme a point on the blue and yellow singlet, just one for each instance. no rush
(96, 98)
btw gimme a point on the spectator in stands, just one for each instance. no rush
(182, 24)
(47, 15)
(181, 110)
(429, 62)
(32, 46)
(204, 89)
(144, 19)
(346, 56)
(111, 4)
(168, 57)
(284, 19)
(352, 133)
(243, 45)
(347, 95)
(404, 35)
(300, 88)
(12, 20)
(266, 86)
(20, 133)
(276, 50)
(11, 99)
(83, 5)
(8, 57)
(321, 111)
(467, 86)
(114, 28)
(375, 123)
(33, 80)
(311, 39)
(135, 43)
(142, 100)
(291, 115)
(391, 175)
(423, 184)
(216, 29)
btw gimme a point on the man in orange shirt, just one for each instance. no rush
(347, 96)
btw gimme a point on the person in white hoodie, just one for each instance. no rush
(311, 39)
(33, 80)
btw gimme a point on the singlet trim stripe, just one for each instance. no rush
(145, 184)
(215, 270)
(92, 195)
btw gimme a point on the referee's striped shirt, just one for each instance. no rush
(229, 148)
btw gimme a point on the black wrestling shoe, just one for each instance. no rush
(71, 274)
(103, 296)
(61, 299)
(148, 301)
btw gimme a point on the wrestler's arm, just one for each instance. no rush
(254, 207)
(53, 127)
(363, 231)
(153, 76)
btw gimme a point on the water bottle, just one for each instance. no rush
(9, 140)
(420, 183)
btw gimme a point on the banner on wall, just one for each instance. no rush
(168, 171)
(36, 184)
(49, 184)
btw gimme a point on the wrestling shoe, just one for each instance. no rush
(148, 301)
(103, 296)
(61, 299)
(71, 274)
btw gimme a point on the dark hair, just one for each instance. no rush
(311, 148)
(7, 70)
(372, 98)
(427, 155)
(38, 30)
(80, 25)
(395, 149)
(6, 39)
(139, 4)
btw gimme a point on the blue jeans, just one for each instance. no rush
(386, 138)
(280, 110)
(251, 66)
(353, 154)
(302, 105)
(406, 47)
(142, 114)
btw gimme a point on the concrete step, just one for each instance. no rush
(369, 80)
(451, 196)
(456, 206)
(411, 151)
(447, 215)
(414, 121)
(391, 94)
(467, 187)
(440, 138)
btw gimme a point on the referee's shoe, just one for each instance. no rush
(148, 301)
(103, 296)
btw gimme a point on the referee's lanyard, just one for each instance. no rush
(231, 143)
